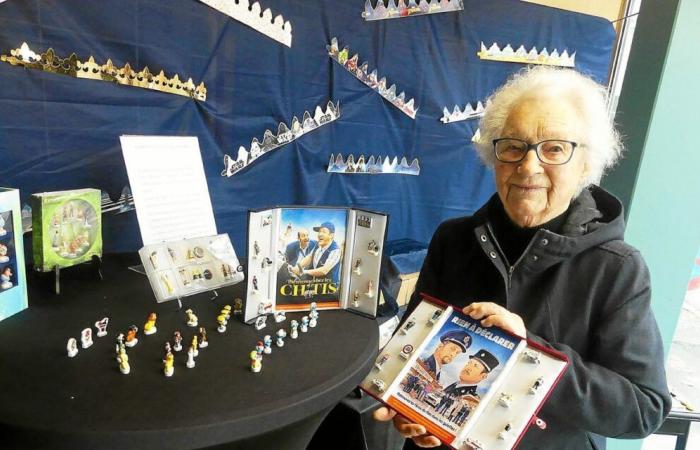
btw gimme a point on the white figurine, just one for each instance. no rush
(505, 432)
(260, 322)
(123, 360)
(281, 334)
(280, 316)
(379, 384)
(86, 337)
(72, 347)
(536, 386)
(267, 341)
(6, 278)
(370, 289)
(101, 326)
(3, 231)
(313, 317)
(505, 400)
(532, 355)
(357, 268)
(294, 332)
(192, 320)
(190, 358)
(373, 248)
(177, 337)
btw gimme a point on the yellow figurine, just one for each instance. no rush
(123, 360)
(221, 319)
(168, 365)
(150, 327)
(255, 361)
(195, 345)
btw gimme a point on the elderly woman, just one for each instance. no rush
(545, 259)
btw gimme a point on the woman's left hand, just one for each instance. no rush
(491, 314)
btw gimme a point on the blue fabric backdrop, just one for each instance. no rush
(58, 132)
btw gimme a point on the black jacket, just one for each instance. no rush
(584, 292)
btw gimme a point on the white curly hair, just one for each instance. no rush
(602, 141)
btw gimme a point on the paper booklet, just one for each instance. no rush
(472, 387)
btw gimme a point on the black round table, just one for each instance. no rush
(48, 400)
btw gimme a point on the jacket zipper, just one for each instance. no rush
(511, 269)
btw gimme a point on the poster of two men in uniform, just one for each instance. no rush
(454, 372)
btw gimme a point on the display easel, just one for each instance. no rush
(95, 262)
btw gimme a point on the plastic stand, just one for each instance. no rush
(96, 261)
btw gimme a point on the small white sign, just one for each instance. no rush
(169, 186)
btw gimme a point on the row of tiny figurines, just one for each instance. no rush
(131, 338)
(505, 400)
(265, 346)
(198, 340)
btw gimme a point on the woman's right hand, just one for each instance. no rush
(414, 431)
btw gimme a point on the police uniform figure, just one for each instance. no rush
(451, 345)
(477, 369)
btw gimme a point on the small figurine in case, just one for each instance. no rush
(410, 324)
(503, 434)
(255, 285)
(192, 320)
(380, 362)
(505, 400)
(150, 326)
(536, 386)
(256, 250)
(406, 351)
(379, 384)
(356, 268)
(356, 299)
(434, 318)
(532, 355)
(373, 248)
(266, 263)
(370, 289)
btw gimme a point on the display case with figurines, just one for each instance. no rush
(180, 268)
(13, 286)
(299, 255)
(470, 386)
(67, 228)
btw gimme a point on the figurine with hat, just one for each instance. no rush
(452, 344)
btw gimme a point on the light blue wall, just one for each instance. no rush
(664, 211)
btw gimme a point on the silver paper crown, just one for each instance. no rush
(284, 136)
(398, 8)
(521, 55)
(49, 62)
(371, 79)
(241, 10)
(374, 165)
(466, 114)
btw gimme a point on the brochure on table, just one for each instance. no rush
(183, 253)
(13, 280)
(470, 386)
(299, 255)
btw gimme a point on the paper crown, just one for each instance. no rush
(242, 11)
(284, 136)
(398, 8)
(374, 165)
(477, 136)
(553, 58)
(466, 114)
(49, 62)
(371, 79)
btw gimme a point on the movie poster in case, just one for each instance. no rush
(312, 247)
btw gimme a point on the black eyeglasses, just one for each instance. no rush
(552, 151)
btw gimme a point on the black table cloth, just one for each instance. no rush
(48, 400)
